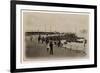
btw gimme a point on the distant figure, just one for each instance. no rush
(59, 42)
(64, 45)
(85, 41)
(48, 47)
(55, 42)
(31, 38)
(43, 39)
(51, 47)
(39, 38)
(47, 41)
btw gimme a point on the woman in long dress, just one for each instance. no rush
(47, 46)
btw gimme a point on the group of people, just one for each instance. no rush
(49, 43)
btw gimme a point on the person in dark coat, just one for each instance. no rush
(39, 38)
(51, 47)
(59, 43)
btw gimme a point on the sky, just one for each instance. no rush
(55, 21)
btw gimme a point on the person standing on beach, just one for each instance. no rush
(43, 39)
(85, 41)
(47, 41)
(51, 47)
(59, 43)
(39, 38)
(47, 46)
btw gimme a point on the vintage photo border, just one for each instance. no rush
(22, 10)
(13, 35)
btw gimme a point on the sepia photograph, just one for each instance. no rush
(55, 34)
